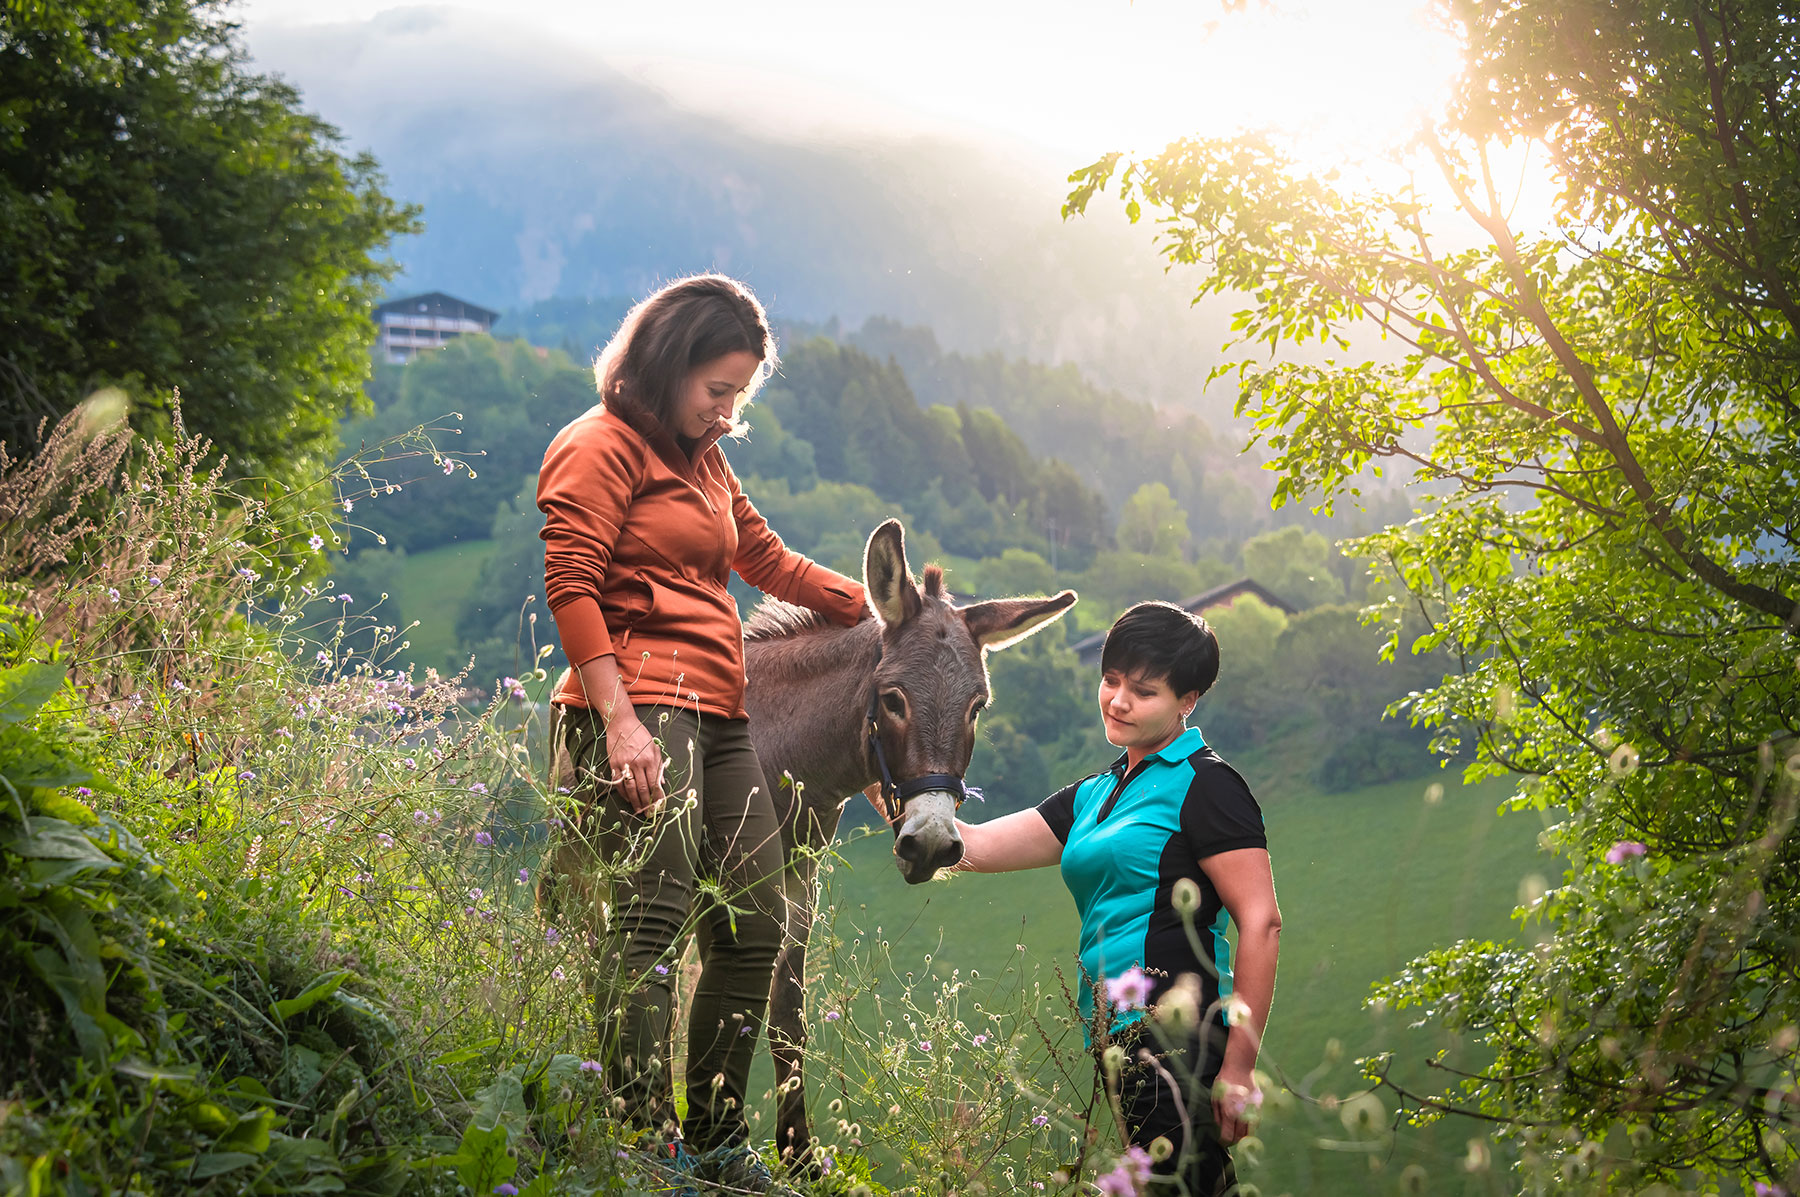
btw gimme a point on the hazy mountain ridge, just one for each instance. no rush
(543, 173)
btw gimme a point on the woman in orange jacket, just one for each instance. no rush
(643, 523)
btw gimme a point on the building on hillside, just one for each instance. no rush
(1087, 649)
(429, 321)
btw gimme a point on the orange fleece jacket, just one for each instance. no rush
(639, 538)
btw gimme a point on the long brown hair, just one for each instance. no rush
(685, 324)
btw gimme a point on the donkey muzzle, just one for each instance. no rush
(927, 839)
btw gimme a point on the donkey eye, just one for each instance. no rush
(975, 711)
(894, 703)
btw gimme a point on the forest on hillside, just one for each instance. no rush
(987, 463)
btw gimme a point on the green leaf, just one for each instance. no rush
(213, 1163)
(463, 1055)
(251, 1132)
(316, 991)
(44, 838)
(25, 688)
(482, 1161)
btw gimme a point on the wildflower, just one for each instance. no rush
(477, 787)
(557, 972)
(504, 1189)
(924, 1045)
(316, 541)
(420, 817)
(154, 580)
(84, 791)
(344, 598)
(1764, 1189)
(1130, 990)
(525, 879)
(364, 878)
(470, 911)
(980, 1039)
(248, 574)
(384, 839)
(283, 731)
(409, 762)
(1624, 850)
(349, 504)
(592, 1066)
(322, 657)
(246, 775)
(832, 1016)
(1129, 1177)
(483, 838)
(475, 895)
(449, 466)
(112, 593)
(1040, 1120)
(178, 685)
(662, 970)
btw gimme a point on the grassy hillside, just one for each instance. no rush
(1367, 879)
(433, 585)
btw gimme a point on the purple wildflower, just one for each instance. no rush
(662, 970)
(349, 504)
(504, 1189)
(246, 775)
(112, 593)
(483, 838)
(524, 876)
(154, 580)
(316, 541)
(552, 935)
(420, 817)
(1130, 990)
(409, 762)
(832, 1016)
(592, 1066)
(84, 791)
(557, 972)
(477, 787)
(475, 895)
(1041, 1120)
(384, 839)
(1129, 1177)
(924, 1045)
(980, 1039)
(1624, 850)
(449, 466)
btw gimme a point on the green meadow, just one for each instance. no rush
(1366, 879)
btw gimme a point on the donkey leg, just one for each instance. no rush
(787, 1017)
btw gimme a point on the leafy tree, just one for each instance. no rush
(1604, 405)
(170, 219)
(498, 404)
(1153, 523)
(1294, 563)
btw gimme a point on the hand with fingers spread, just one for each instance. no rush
(635, 761)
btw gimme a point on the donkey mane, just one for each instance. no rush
(775, 620)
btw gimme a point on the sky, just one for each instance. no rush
(1075, 77)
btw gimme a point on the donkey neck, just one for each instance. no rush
(807, 696)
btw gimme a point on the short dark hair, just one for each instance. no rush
(1162, 641)
(688, 323)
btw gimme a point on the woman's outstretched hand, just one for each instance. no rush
(635, 762)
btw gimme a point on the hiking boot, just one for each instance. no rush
(671, 1169)
(739, 1169)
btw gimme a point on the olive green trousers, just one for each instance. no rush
(715, 835)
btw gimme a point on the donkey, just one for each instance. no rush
(886, 708)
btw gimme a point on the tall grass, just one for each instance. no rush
(299, 917)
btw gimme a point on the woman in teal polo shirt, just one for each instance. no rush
(1170, 833)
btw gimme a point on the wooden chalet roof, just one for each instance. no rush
(1087, 649)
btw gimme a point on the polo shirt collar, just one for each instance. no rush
(1179, 749)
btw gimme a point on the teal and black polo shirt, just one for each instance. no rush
(1127, 839)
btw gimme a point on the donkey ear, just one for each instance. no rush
(998, 623)
(892, 591)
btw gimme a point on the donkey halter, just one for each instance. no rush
(895, 793)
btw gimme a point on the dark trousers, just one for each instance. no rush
(1172, 1099)
(715, 830)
